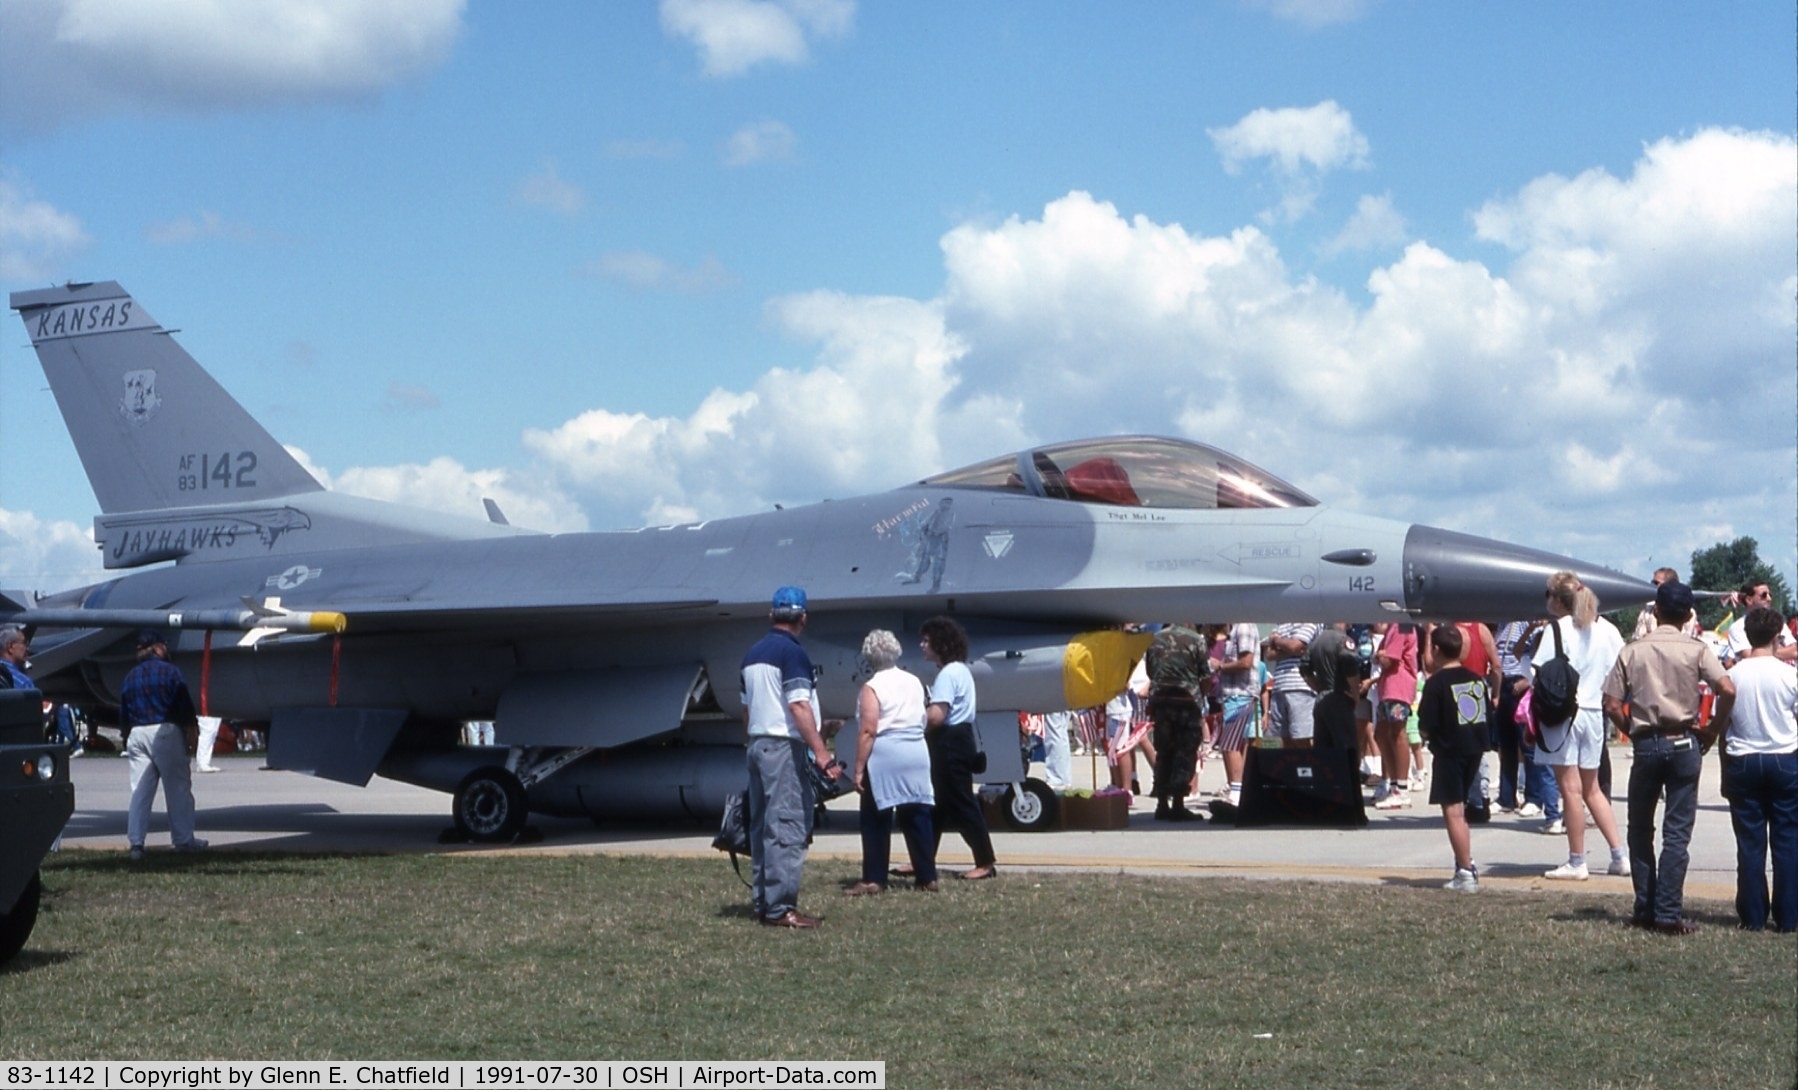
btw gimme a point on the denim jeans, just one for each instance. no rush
(1669, 763)
(1539, 784)
(1762, 789)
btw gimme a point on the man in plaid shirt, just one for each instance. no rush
(157, 714)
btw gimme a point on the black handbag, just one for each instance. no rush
(733, 831)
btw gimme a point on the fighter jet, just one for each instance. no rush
(366, 632)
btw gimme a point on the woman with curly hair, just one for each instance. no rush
(949, 732)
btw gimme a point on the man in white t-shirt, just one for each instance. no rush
(1760, 777)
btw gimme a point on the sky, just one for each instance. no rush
(1523, 270)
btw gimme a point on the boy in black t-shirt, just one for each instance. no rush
(1451, 713)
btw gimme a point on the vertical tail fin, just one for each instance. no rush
(153, 429)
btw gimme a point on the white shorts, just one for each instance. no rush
(1581, 747)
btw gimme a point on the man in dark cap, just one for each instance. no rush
(1652, 693)
(157, 715)
(780, 711)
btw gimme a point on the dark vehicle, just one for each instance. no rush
(36, 799)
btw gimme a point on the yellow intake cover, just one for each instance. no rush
(1097, 665)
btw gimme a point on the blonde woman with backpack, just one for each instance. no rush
(1575, 747)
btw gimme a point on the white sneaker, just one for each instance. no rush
(1398, 800)
(1568, 872)
(1464, 881)
(207, 768)
(1619, 866)
(1381, 792)
(1529, 810)
(1557, 827)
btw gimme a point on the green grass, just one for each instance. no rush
(1031, 980)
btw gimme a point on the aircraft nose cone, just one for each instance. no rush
(1463, 577)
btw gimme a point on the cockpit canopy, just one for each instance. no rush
(1131, 471)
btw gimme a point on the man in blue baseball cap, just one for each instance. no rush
(779, 709)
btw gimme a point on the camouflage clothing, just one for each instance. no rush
(1179, 665)
(1179, 659)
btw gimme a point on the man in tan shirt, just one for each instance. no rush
(1652, 693)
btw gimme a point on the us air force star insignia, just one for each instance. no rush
(997, 543)
(294, 576)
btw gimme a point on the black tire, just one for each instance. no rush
(490, 806)
(15, 926)
(1032, 810)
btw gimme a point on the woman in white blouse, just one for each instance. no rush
(892, 769)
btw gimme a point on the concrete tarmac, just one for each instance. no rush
(245, 807)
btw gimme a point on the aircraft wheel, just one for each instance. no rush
(1032, 809)
(490, 806)
(15, 926)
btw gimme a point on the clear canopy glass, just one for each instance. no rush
(1131, 471)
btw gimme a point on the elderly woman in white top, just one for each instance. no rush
(892, 769)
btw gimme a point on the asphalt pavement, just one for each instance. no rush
(247, 807)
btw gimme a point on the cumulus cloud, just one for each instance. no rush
(446, 485)
(65, 59)
(36, 238)
(649, 272)
(545, 188)
(46, 555)
(1300, 145)
(734, 36)
(875, 408)
(1555, 393)
(759, 142)
(1375, 225)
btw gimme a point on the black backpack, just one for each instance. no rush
(1554, 695)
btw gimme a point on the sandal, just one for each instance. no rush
(980, 873)
(864, 889)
